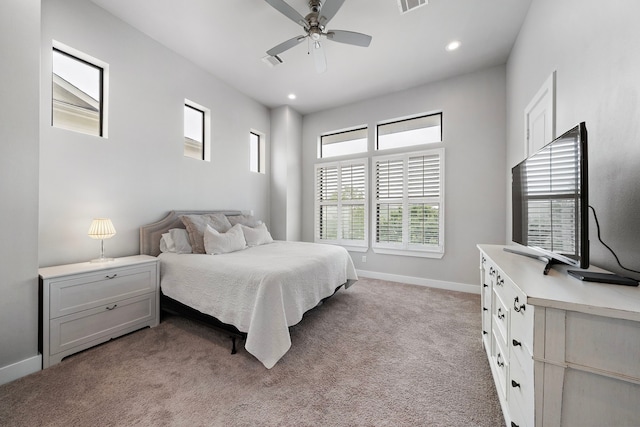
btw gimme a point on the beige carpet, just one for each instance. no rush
(377, 354)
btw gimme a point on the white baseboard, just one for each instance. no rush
(432, 283)
(20, 369)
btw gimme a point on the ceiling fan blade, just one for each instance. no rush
(349, 37)
(289, 12)
(329, 10)
(319, 57)
(285, 46)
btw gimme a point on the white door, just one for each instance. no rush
(539, 118)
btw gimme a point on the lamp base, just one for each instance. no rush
(102, 260)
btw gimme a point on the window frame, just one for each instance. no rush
(103, 69)
(261, 164)
(206, 130)
(349, 244)
(418, 146)
(406, 247)
(342, 132)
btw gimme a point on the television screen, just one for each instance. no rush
(550, 199)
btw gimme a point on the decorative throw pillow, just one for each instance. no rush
(256, 236)
(216, 243)
(196, 224)
(248, 220)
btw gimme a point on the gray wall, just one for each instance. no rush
(19, 103)
(473, 107)
(139, 173)
(286, 173)
(593, 47)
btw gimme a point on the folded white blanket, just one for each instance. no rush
(261, 290)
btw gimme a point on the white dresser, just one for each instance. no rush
(86, 304)
(562, 352)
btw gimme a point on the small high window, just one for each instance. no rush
(409, 132)
(196, 130)
(257, 158)
(343, 143)
(78, 101)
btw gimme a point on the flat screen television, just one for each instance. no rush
(550, 200)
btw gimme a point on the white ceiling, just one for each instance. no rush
(229, 37)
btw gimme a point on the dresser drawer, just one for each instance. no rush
(500, 316)
(83, 292)
(521, 320)
(501, 363)
(521, 397)
(80, 328)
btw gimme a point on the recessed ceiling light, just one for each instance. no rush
(292, 96)
(453, 45)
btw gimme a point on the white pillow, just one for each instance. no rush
(258, 235)
(176, 241)
(216, 243)
(180, 238)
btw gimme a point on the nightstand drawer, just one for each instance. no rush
(87, 291)
(81, 328)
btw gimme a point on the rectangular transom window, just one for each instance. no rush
(77, 92)
(343, 143)
(257, 161)
(409, 204)
(410, 132)
(341, 203)
(195, 130)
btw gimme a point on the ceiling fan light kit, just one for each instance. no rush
(314, 25)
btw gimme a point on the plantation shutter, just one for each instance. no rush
(409, 194)
(341, 203)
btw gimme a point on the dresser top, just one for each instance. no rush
(88, 267)
(559, 290)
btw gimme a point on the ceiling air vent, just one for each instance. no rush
(272, 61)
(408, 5)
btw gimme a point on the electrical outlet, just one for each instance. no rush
(364, 258)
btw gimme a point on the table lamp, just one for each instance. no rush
(101, 228)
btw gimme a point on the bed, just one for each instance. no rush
(255, 293)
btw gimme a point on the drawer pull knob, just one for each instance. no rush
(112, 307)
(499, 361)
(515, 384)
(485, 309)
(484, 332)
(111, 277)
(485, 285)
(500, 314)
(514, 424)
(516, 343)
(518, 308)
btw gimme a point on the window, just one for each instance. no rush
(341, 203)
(409, 208)
(78, 101)
(196, 131)
(410, 132)
(257, 161)
(343, 143)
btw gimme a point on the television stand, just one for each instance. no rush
(550, 262)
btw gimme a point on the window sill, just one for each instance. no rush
(350, 248)
(409, 252)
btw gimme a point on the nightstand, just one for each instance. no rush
(85, 304)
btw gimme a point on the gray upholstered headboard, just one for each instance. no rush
(151, 234)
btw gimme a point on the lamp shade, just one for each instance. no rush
(101, 228)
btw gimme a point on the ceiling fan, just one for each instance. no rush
(314, 25)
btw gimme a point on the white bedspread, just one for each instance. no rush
(260, 290)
